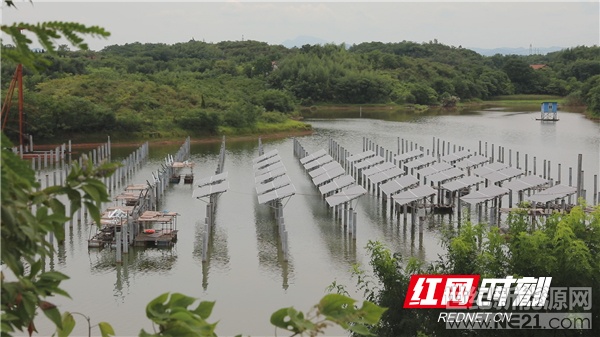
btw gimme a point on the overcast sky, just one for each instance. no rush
(468, 24)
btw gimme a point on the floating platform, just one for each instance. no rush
(160, 238)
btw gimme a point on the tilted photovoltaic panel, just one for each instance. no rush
(346, 195)
(280, 193)
(313, 156)
(336, 184)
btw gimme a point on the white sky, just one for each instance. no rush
(474, 24)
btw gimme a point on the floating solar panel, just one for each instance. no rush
(420, 162)
(369, 162)
(432, 169)
(410, 155)
(333, 173)
(318, 162)
(313, 156)
(399, 184)
(336, 184)
(525, 183)
(485, 194)
(329, 166)
(270, 175)
(346, 195)
(503, 174)
(471, 162)
(552, 193)
(378, 168)
(360, 156)
(414, 194)
(265, 156)
(274, 184)
(386, 175)
(452, 157)
(446, 175)
(270, 161)
(212, 179)
(208, 190)
(489, 168)
(280, 193)
(464, 182)
(268, 168)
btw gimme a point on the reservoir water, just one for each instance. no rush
(245, 274)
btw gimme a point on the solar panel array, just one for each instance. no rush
(271, 179)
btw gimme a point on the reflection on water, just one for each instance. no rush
(245, 272)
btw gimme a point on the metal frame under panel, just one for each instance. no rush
(336, 184)
(346, 195)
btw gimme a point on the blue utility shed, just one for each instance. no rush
(549, 111)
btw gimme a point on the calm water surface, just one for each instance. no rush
(245, 274)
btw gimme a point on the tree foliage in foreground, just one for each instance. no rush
(563, 246)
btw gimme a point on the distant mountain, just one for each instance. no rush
(515, 51)
(301, 40)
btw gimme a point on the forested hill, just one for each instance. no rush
(201, 87)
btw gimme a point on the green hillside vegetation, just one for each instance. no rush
(237, 87)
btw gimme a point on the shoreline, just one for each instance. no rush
(203, 140)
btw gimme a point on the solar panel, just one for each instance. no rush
(270, 175)
(324, 168)
(378, 168)
(552, 193)
(399, 184)
(267, 162)
(318, 162)
(268, 168)
(386, 175)
(313, 156)
(485, 194)
(336, 184)
(360, 156)
(274, 184)
(442, 176)
(525, 183)
(414, 194)
(346, 195)
(410, 155)
(432, 169)
(207, 190)
(372, 161)
(489, 168)
(419, 162)
(503, 174)
(265, 156)
(280, 193)
(452, 157)
(212, 179)
(333, 173)
(471, 161)
(463, 182)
